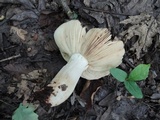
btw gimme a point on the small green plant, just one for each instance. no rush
(137, 74)
(25, 112)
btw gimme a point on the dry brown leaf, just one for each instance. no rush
(145, 27)
(35, 74)
(19, 32)
(33, 41)
(10, 89)
(25, 89)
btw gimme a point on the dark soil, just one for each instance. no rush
(29, 59)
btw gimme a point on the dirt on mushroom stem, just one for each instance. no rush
(64, 83)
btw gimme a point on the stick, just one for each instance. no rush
(10, 58)
(67, 10)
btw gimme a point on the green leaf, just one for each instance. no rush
(139, 73)
(119, 74)
(25, 113)
(133, 88)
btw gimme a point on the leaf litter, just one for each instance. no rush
(126, 18)
(145, 27)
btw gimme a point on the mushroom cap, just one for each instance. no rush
(96, 46)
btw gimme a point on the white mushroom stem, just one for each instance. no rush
(65, 81)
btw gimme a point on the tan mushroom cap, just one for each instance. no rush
(96, 46)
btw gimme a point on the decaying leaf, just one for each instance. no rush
(75, 97)
(18, 68)
(87, 2)
(99, 9)
(24, 90)
(10, 89)
(50, 45)
(145, 27)
(19, 14)
(96, 15)
(134, 7)
(19, 32)
(32, 40)
(47, 20)
(35, 74)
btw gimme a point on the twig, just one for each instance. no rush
(7, 103)
(10, 47)
(10, 58)
(67, 10)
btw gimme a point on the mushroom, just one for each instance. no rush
(90, 55)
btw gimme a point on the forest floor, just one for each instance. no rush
(29, 57)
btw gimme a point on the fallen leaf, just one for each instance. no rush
(25, 89)
(27, 3)
(99, 16)
(75, 97)
(10, 1)
(145, 27)
(49, 20)
(17, 68)
(50, 45)
(87, 2)
(19, 32)
(19, 14)
(134, 7)
(41, 5)
(10, 89)
(97, 10)
(35, 74)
